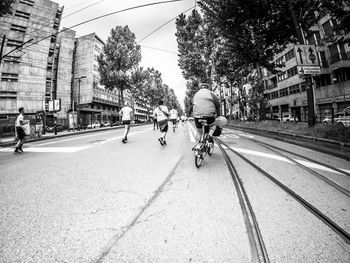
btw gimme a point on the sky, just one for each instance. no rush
(141, 22)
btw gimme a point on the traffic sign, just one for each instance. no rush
(306, 55)
(309, 70)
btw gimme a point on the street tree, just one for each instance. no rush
(120, 55)
(6, 7)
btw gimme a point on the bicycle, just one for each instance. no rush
(204, 146)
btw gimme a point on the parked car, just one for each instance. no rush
(107, 124)
(289, 118)
(328, 118)
(59, 128)
(138, 121)
(94, 125)
(117, 123)
(343, 118)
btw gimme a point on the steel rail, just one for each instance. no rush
(257, 245)
(334, 226)
(313, 172)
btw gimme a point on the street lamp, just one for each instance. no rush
(78, 103)
(44, 110)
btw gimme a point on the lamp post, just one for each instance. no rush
(44, 110)
(78, 103)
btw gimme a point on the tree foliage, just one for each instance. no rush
(120, 55)
(6, 7)
(148, 85)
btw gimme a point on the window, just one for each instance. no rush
(274, 94)
(27, 2)
(10, 77)
(333, 49)
(12, 59)
(18, 28)
(342, 52)
(294, 89)
(284, 92)
(292, 72)
(323, 59)
(328, 29)
(311, 39)
(289, 55)
(318, 37)
(8, 94)
(14, 43)
(21, 14)
(281, 76)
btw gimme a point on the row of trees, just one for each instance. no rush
(236, 38)
(119, 69)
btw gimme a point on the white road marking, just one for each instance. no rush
(280, 158)
(190, 132)
(246, 135)
(68, 149)
(70, 139)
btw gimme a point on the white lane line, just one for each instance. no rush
(50, 149)
(279, 158)
(68, 149)
(190, 132)
(69, 139)
(246, 135)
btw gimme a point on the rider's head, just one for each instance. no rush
(160, 102)
(204, 86)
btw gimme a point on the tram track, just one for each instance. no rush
(312, 209)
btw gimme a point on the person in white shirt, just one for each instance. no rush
(20, 131)
(173, 118)
(162, 114)
(127, 114)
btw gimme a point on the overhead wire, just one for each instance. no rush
(96, 18)
(164, 24)
(49, 26)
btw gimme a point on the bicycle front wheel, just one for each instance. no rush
(198, 160)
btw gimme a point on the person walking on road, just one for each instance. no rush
(162, 114)
(127, 114)
(155, 123)
(173, 118)
(20, 131)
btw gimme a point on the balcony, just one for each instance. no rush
(337, 62)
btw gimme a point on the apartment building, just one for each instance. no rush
(27, 74)
(286, 90)
(95, 102)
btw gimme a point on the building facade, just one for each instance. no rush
(286, 90)
(95, 102)
(27, 74)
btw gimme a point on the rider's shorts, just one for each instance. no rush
(173, 121)
(210, 121)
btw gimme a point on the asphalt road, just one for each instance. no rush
(91, 198)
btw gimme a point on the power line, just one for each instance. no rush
(82, 9)
(159, 49)
(167, 22)
(99, 17)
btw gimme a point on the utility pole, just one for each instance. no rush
(309, 79)
(78, 102)
(2, 47)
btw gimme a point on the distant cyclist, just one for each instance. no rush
(127, 114)
(173, 118)
(206, 106)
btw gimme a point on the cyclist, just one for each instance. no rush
(173, 118)
(205, 106)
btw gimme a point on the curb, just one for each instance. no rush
(45, 138)
(335, 148)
